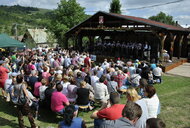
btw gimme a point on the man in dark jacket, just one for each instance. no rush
(131, 113)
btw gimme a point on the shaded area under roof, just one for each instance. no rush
(6, 41)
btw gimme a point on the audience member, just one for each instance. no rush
(133, 96)
(70, 119)
(58, 100)
(155, 123)
(130, 114)
(108, 111)
(100, 91)
(152, 101)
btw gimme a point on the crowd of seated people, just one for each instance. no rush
(56, 80)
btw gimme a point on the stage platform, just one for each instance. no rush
(175, 63)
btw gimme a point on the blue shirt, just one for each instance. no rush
(152, 66)
(76, 123)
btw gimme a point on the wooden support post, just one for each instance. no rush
(180, 44)
(66, 42)
(172, 37)
(162, 40)
(74, 42)
(91, 43)
(79, 41)
(184, 52)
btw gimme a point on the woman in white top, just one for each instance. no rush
(133, 96)
(42, 89)
(152, 101)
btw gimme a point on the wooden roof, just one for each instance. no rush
(117, 20)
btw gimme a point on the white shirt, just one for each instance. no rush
(94, 79)
(30, 96)
(135, 78)
(65, 90)
(105, 65)
(157, 71)
(141, 122)
(153, 105)
(8, 83)
(51, 62)
(101, 91)
(100, 72)
(42, 91)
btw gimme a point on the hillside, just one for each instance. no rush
(24, 17)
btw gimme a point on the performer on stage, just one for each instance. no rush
(146, 50)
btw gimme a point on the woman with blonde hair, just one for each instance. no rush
(133, 96)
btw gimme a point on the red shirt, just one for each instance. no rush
(3, 76)
(87, 61)
(112, 113)
(119, 79)
(58, 100)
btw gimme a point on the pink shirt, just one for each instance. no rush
(46, 75)
(58, 100)
(3, 76)
(36, 88)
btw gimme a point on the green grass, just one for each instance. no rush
(174, 96)
(175, 101)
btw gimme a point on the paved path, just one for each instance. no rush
(182, 70)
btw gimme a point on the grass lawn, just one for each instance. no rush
(174, 95)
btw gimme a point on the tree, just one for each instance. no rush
(50, 38)
(162, 17)
(68, 14)
(115, 7)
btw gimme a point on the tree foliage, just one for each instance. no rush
(68, 14)
(115, 7)
(162, 17)
(23, 16)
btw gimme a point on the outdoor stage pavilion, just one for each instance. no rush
(123, 28)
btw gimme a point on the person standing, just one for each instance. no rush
(87, 62)
(3, 75)
(20, 91)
